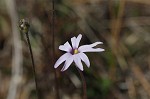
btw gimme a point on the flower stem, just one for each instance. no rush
(83, 84)
(33, 65)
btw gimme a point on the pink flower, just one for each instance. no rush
(75, 53)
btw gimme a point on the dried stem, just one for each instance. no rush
(84, 84)
(33, 65)
(53, 48)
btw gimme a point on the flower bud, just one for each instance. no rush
(24, 25)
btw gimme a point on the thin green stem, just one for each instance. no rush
(83, 84)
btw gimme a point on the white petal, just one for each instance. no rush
(61, 59)
(83, 47)
(77, 61)
(90, 45)
(85, 59)
(78, 40)
(88, 48)
(92, 50)
(66, 47)
(73, 41)
(68, 62)
(96, 43)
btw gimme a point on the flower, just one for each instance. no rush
(75, 53)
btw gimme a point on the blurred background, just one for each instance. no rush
(121, 72)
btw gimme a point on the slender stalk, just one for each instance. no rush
(83, 84)
(53, 48)
(33, 65)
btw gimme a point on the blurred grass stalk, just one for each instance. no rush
(115, 26)
(141, 77)
(83, 84)
(17, 69)
(53, 49)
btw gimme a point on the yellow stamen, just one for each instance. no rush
(75, 51)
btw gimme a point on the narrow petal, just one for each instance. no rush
(88, 48)
(78, 40)
(85, 59)
(66, 47)
(61, 59)
(83, 47)
(73, 41)
(68, 62)
(90, 45)
(92, 50)
(96, 43)
(77, 61)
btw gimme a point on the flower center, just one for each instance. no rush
(75, 51)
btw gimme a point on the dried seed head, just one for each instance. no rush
(24, 25)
